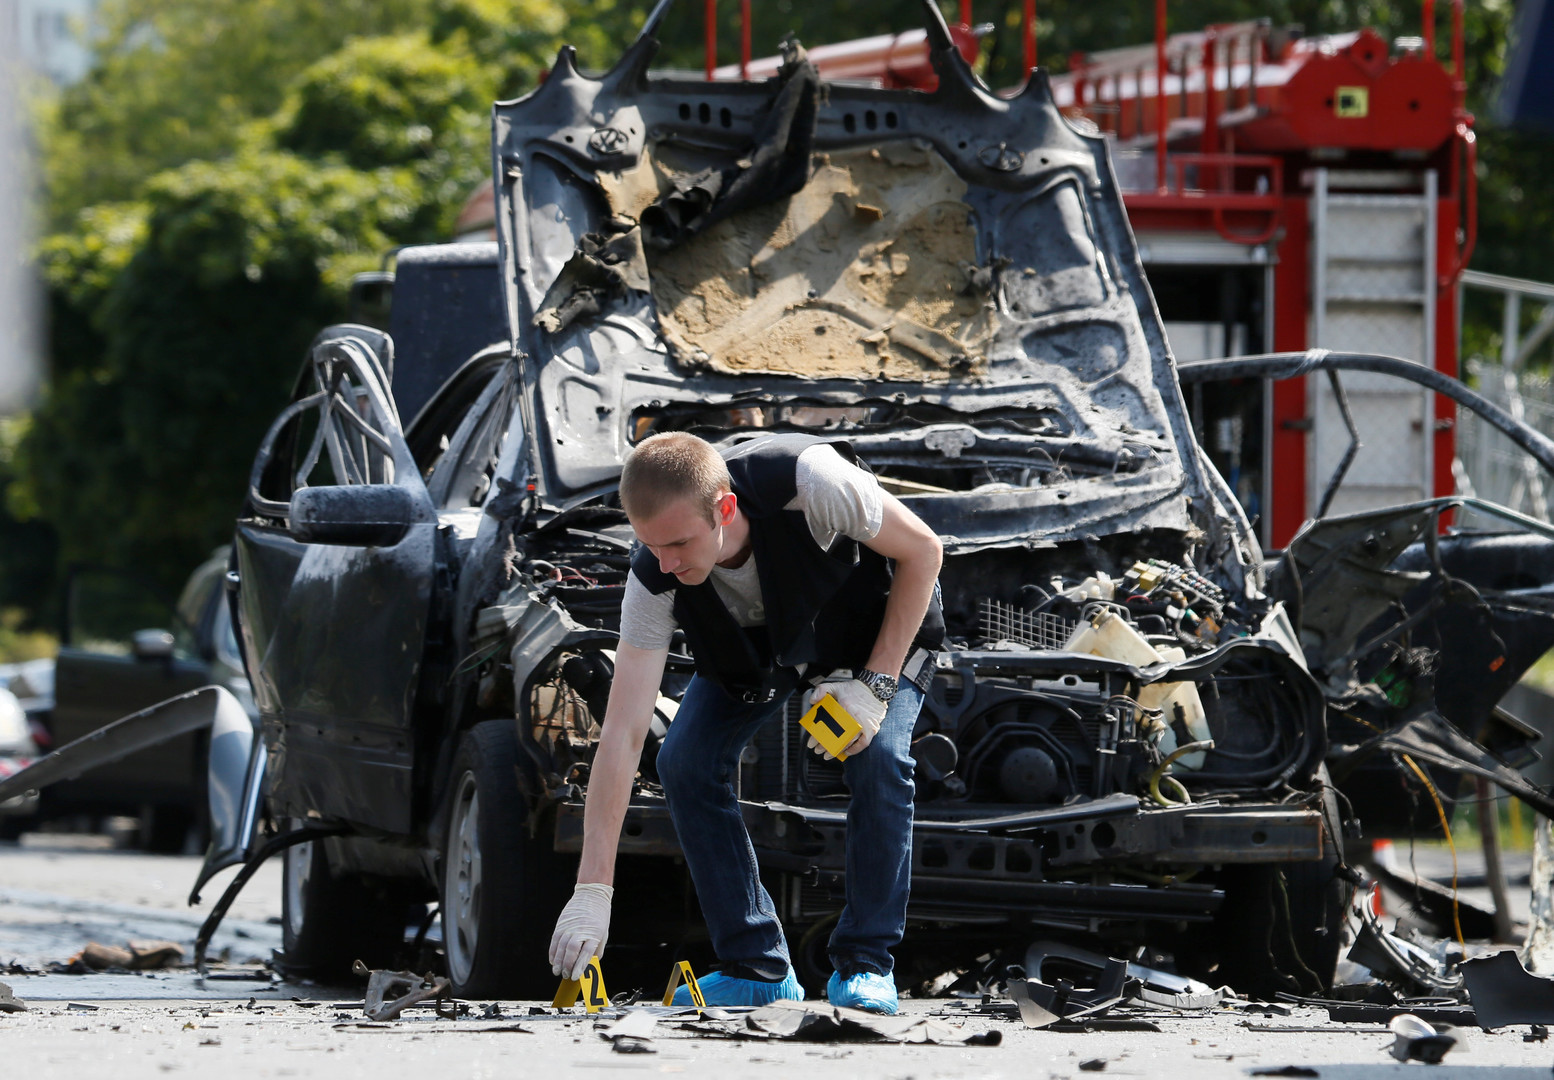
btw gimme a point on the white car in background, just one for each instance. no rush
(17, 750)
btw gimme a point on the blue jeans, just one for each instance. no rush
(697, 765)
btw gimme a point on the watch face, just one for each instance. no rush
(883, 686)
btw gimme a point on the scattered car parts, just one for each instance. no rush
(1504, 993)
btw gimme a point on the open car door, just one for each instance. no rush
(335, 558)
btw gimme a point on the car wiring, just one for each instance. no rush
(1450, 843)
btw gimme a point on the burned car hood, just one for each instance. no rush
(939, 276)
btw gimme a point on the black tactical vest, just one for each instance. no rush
(823, 607)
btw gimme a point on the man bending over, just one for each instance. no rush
(788, 568)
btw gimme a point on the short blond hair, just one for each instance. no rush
(669, 466)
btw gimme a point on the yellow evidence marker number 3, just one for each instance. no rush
(832, 726)
(676, 974)
(590, 987)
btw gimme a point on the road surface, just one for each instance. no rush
(56, 896)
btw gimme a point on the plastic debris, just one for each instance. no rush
(1042, 1005)
(9, 1002)
(1505, 993)
(1416, 1040)
(632, 1033)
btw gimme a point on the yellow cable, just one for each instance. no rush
(1439, 809)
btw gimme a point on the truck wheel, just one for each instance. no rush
(328, 921)
(498, 883)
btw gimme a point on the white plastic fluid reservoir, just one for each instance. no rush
(1113, 637)
(1100, 587)
(1180, 703)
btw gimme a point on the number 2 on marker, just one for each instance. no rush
(595, 997)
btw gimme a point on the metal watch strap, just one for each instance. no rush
(880, 685)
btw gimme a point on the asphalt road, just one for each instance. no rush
(55, 898)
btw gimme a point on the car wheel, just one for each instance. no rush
(329, 921)
(498, 883)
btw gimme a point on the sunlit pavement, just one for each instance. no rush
(58, 894)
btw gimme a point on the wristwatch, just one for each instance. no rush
(881, 686)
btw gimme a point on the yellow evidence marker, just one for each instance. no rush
(832, 726)
(680, 971)
(590, 987)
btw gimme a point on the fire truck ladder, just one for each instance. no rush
(1373, 290)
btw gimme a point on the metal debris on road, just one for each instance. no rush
(432, 1028)
(1431, 1010)
(1146, 984)
(1309, 1029)
(809, 1021)
(245, 975)
(391, 992)
(9, 1002)
(1505, 993)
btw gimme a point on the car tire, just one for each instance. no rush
(331, 920)
(498, 884)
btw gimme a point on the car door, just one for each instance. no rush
(336, 554)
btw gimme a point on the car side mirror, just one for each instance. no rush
(148, 645)
(352, 515)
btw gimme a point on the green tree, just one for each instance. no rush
(139, 459)
(182, 310)
(176, 80)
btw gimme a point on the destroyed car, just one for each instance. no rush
(1127, 741)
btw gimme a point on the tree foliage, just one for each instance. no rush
(253, 157)
(137, 454)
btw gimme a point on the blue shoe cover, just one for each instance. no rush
(865, 990)
(720, 989)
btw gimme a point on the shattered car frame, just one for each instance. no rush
(1126, 742)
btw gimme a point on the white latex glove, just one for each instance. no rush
(858, 700)
(582, 929)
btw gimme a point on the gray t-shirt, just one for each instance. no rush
(836, 497)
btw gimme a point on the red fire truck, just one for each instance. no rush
(1292, 193)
